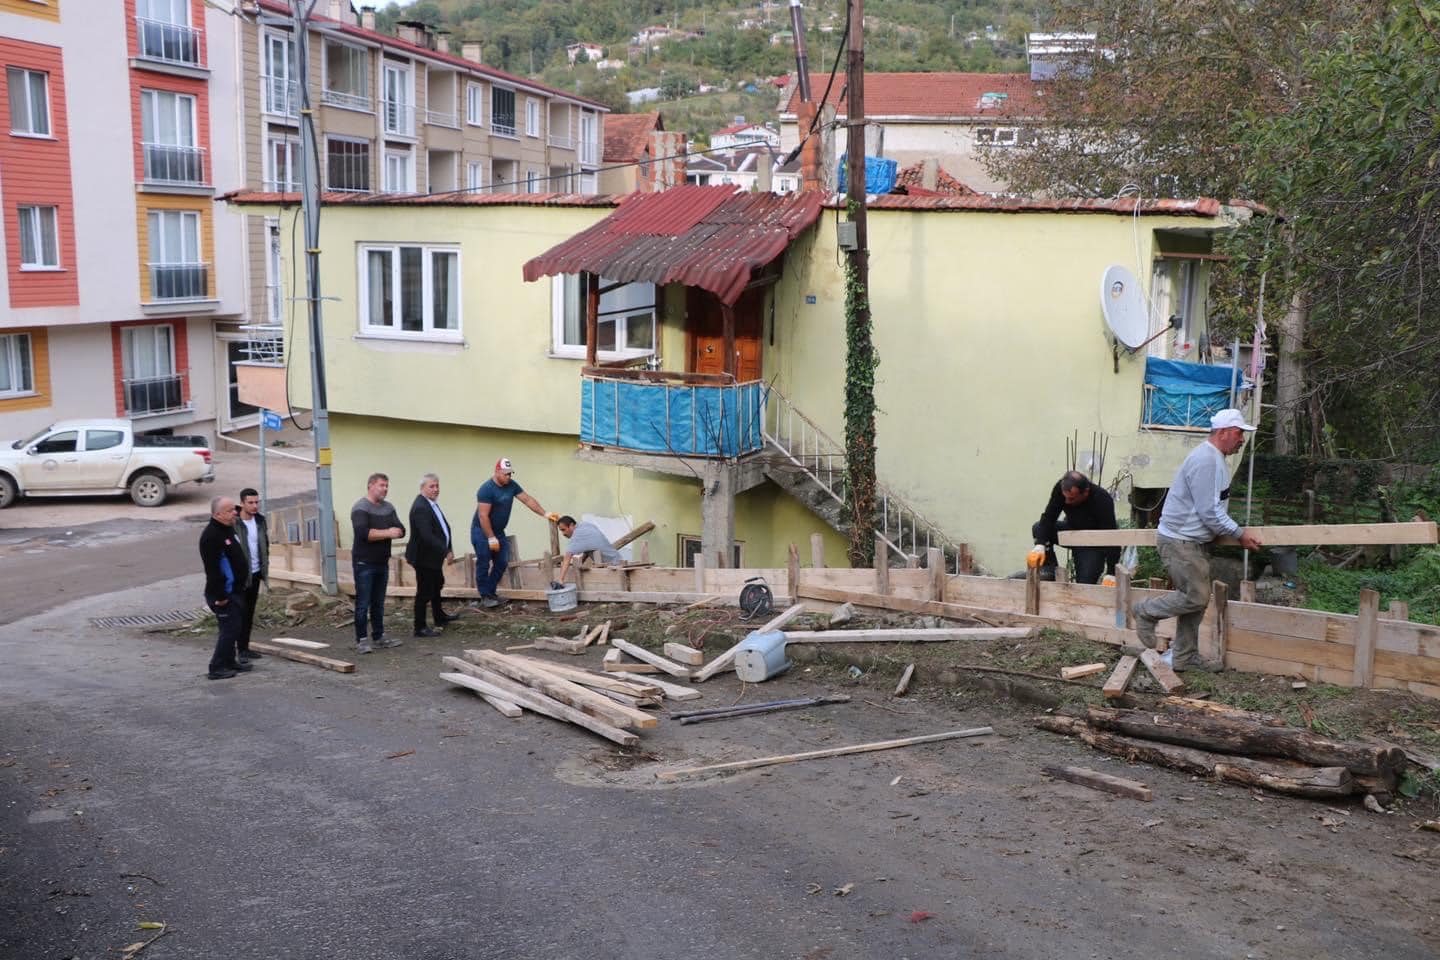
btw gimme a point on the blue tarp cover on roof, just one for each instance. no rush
(880, 174)
(668, 418)
(1186, 394)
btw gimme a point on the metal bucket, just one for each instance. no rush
(562, 600)
(761, 656)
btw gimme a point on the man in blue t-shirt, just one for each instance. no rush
(487, 527)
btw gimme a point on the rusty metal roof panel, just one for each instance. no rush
(708, 237)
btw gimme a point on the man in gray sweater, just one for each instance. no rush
(1194, 516)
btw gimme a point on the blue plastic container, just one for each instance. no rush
(761, 656)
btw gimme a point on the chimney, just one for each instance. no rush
(930, 173)
(340, 10)
(442, 41)
(413, 31)
(367, 17)
(471, 50)
(764, 172)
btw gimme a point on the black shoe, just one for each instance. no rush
(427, 632)
(251, 655)
(241, 667)
(220, 674)
(447, 618)
(499, 600)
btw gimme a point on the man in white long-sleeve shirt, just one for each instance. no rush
(1194, 516)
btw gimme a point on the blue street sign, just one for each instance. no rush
(271, 420)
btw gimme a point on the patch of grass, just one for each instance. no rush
(1197, 681)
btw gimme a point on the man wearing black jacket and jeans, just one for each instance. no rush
(1086, 507)
(428, 547)
(225, 574)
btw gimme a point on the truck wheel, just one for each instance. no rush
(8, 492)
(148, 490)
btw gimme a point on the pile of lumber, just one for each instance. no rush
(1238, 746)
(601, 703)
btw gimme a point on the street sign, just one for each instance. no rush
(271, 420)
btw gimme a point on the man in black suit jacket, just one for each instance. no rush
(428, 547)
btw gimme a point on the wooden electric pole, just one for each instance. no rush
(860, 348)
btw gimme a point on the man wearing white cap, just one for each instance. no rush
(1194, 516)
(487, 528)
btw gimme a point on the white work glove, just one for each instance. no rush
(494, 545)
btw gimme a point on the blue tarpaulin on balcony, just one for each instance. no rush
(1181, 394)
(678, 419)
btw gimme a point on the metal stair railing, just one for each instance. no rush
(807, 447)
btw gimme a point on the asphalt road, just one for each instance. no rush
(296, 812)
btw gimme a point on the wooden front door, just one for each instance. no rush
(706, 329)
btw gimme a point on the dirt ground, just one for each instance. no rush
(1269, 866)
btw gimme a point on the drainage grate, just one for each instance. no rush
(147, 619)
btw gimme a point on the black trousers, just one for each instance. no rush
(1091, 563)
(227, 619)
(247, 620)
(428, 583)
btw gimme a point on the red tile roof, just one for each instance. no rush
(708, 237)
(395, 43)
(627, 135)
(911, 177)
(734, 128)
(935, 95)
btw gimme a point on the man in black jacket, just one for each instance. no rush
(428, 547)
(225, 569)
(254, 537)
(1086, 506)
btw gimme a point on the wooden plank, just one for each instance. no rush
(634, 535)
(674, 691)
(907, 635)
(293, 642)
(654, 659)
(684, 653)
(1167, 678)
(1349, 534)
(1084, 670)
(504, 707)
(1220, 634)
(778, 622)
(565, 691)
(301, 656)
(1120, 786)
(615, 662)
(1365, 629)
(559, 645)
(599, 681)
(817, 551)
(935, 566)
(670, 776)
(604, 637)
(1123, 617)
(882, 567)
(1119, 679)
(904, 684)
(486, 682)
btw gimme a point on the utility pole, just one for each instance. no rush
(310, 210)
(860, 348)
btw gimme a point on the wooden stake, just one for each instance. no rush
(792, 571)
(1032, 591)
(513, 573)
(1120, 678)
(1399, 610)
(935, 564)
(643, 554)
(699, 573)
(1062, 573)
(1120, 786)
(882, 567)
(904, 683)
(1220, 594)
(1167, 678)
(1247, 591)
(817, 551)
(1365, 630)
(1124, 619)
(670, 776)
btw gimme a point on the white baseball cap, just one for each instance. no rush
(1229, 418)
(503, 465)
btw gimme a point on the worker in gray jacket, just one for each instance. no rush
(1193, 517)
(584, 538)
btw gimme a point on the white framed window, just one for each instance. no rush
(176, 269)
(165, 32)
(147, 362)
(167, 133)
(39, 238)
(399, 171)
(17, 373)
(533, 182)
(532, 118)
(278, 78)
(347, 76)
(29, 101)
(589, 138)
(475, 176)
(475, 104)
(274, 271)
(410, 291)
(282, 163)
(502, 111)
(398, 98)
(589, 184)
(347, 164)
(626, 325)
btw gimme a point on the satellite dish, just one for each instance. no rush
(1124, 306)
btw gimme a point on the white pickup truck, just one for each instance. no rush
(76, 458)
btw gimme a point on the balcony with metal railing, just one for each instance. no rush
(589, 152)
(442, 118)
(398, 117)
(148, 396)
(265, 343)
(504, 126)
(561, 141)
(173, 164)
(168, 42)
(174, 282)
(347, 101)
(280, 96)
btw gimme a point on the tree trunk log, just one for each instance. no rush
(1226, 735)
(1295, 779)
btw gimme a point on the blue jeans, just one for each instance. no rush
(371, 579)
(489, 566)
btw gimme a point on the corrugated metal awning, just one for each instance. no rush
(708, 237)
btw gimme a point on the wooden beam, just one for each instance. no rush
(778, 622)
(615, 662)
(301, 656)
(904, 684)
(559, 645)
(882, 567)
(1351, 534)
(1120, 679)
(317, 645)
(673, 691)
(935, 566)
(592, 317)
(1119, 786)
(684, 653)
(670, 776)
(599, 681)
(634, 535)
(505, 707)
(1085, 670)
(817, 551)
(908, 635)
(654, 659)
(792, 569)
(1166, 677)
(1220, 596)
(486, 681)
(565, 691)
(1365, 631)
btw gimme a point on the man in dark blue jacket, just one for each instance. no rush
(226, 571)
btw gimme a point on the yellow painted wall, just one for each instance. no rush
(39, 373)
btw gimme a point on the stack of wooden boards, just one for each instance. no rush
(1238, 746)
(603, 704)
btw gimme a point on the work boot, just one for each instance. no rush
(489, 603)
(1195, 663)
(388, 642)
(251, 655)
(1144, 628)
(363, 646)
(220, 674)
